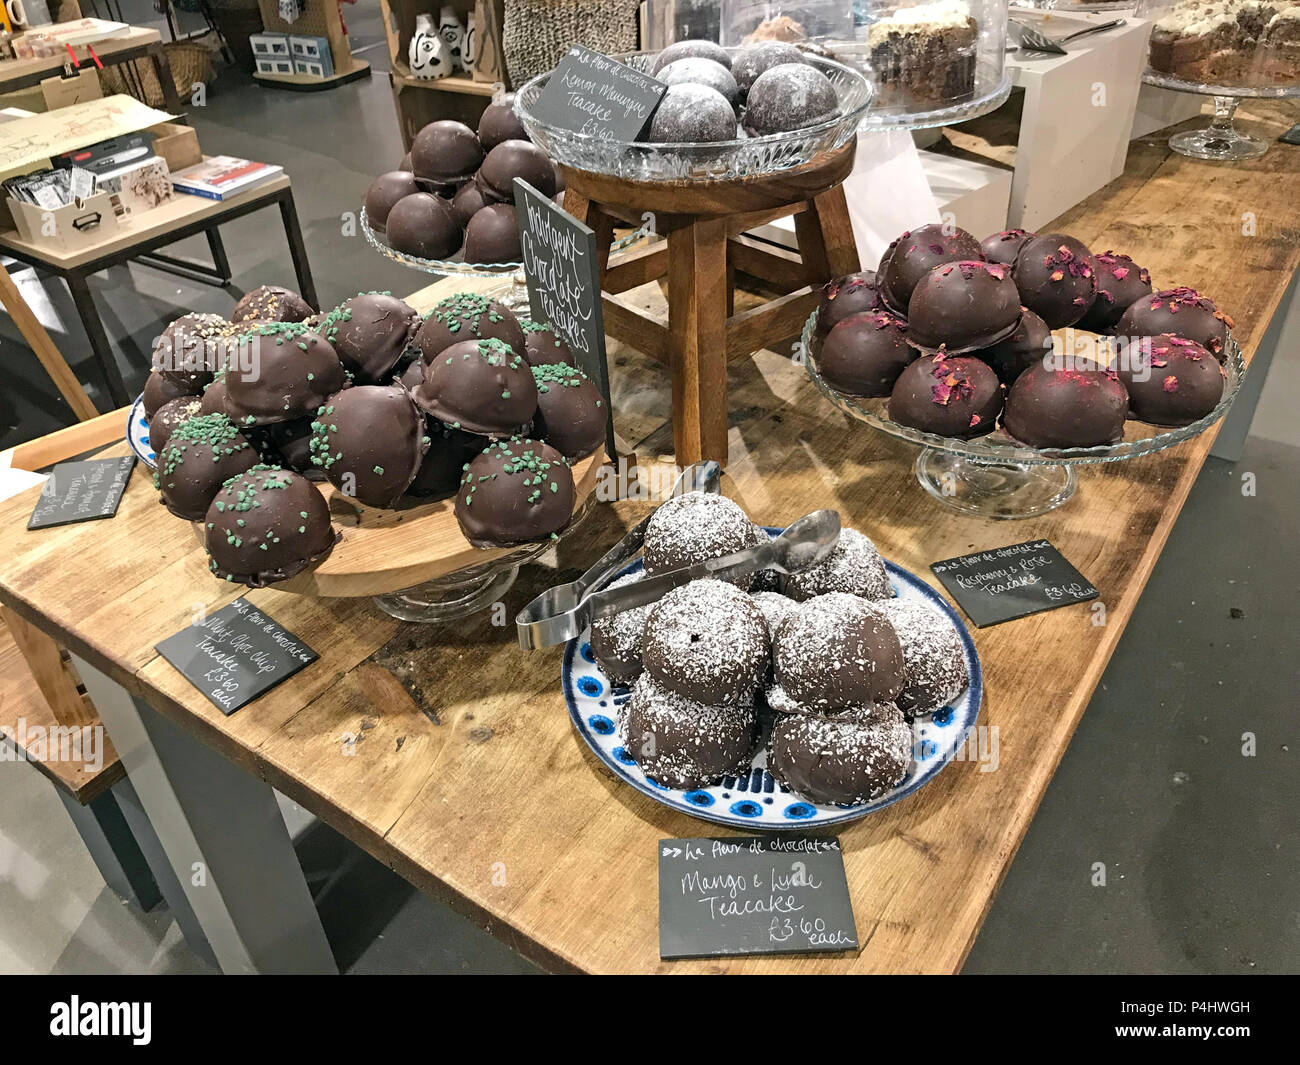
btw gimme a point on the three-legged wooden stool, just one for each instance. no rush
(705, 223)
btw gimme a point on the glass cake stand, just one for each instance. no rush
(730, 160)
(514, 289)
(991, 92)
(994, 476)
(1220, 141)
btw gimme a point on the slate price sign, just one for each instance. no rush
(760, 895)
(1012, 582)
(236, 654)
(593, 94)
(563, 273)
(82, 491)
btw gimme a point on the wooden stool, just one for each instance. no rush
(705, 223)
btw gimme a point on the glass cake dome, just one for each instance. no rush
(930, 61)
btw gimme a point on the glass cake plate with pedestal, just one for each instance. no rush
(995, 476)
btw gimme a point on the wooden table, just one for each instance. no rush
(136, 43)
(140, 237)
(448, 753)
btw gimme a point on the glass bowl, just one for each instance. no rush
(994, 476)
(732, 160)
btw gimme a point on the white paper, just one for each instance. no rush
(887, 192)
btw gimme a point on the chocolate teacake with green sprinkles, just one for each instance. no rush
(160, 389)
(370, 332)
(167, 417)
(286, 372)
(370, 440)
(272, 303)
(468, 316)
(202, 453)
(192, 348)
(481, 386)
(266, 525)
(289, 445)
(542, 347)
(517, 491)
(444, 463)
(570, 410)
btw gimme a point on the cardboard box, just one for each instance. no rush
(270, 45)
(71, 228)
(310, 68)
(274, 66)
(137, 187)
(176, 145)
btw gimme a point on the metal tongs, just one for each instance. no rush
(561, 613)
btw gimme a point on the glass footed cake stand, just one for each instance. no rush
(991, 92)
(994, 476)
(513, 292)
(474, 588)
(1220, 141)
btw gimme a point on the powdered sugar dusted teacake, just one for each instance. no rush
(934, 661)
(854, 566)
(841, 759)
(616, 639)
(694, 527)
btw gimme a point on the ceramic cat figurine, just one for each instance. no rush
(429, 55)
(453, 36)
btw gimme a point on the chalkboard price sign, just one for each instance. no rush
(236, 654)
(82, 491)
(1012, 582)
(592, 94)
(563, 272)
(759, 895)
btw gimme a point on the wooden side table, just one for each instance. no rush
(705, 223)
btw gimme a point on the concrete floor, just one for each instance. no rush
(1199, 842)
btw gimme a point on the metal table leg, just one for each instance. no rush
(223, 837)
(218, 250)
(297, 249)
(99, 344)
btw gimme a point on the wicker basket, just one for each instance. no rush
(539, 32)
(191, 63)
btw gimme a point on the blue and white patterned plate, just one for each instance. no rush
(757, 801)
(137, 433)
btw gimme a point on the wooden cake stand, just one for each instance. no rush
(705, 223)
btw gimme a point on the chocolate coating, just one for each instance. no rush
(384, 192)
(516, 491)
(272, 303)
(444, 463)
(267, 525)
(467, 202)
(616, 639)
(516, 159)
(949, 395)
(934, 661)
(542, 347)
(202, 453)
(500, 123)
(914, 254)
(424, 225)
(1178, 382)
(370, 332)
(707, 640)
(681, 743)
(570, 412)
(1056, 279)
(962, 306)
(166, 418)
(864, 354)
(692, 114)
(289, 371)
(695, 70)
(845, 296)
(1049, 407)
(692, 528)
(838, 651)
(841, 761)
(854, 566)
(787, 97)
(756, 59)
(192, 348)
(289, 445)
(213, 400)
(468, 316)
(688, 49)
(446, 152)
(1028, 343)
(493, 236)
(370, 440)
(480, 386)
(160, 389)
(1003, 247)
(1181, 312)
(1120, 284)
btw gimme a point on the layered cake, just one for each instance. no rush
(924, 56)
(1228, 42)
